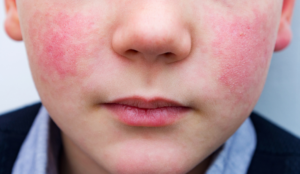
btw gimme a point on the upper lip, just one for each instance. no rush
(147, 103)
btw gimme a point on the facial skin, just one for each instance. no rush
(211, 56)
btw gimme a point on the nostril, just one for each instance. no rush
(168, 54)
(169, 57)
(131, 52)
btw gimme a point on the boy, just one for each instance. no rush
(147, 87)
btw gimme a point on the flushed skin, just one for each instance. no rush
(210, 56)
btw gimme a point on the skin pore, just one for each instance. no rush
(211, 56)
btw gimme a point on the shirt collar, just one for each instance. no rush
(40, 150)
(236, 154)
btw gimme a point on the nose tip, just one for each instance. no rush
(151, 46)
(152, 39)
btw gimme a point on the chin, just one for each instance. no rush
(145, 164)
(154, 158)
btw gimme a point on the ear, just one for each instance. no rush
(284, 35)
(12, 24)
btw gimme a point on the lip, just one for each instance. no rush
(154, 112)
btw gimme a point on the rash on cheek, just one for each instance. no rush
(242, 47)
(62, 44)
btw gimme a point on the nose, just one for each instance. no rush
(154, 33)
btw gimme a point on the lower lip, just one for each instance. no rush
(156, 117)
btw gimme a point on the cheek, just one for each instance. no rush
(242, 48)
(61, 44)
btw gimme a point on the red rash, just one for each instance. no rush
(243, 45)
(65, 42)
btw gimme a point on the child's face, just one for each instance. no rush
(210, 56)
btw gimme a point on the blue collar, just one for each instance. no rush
(236, 154)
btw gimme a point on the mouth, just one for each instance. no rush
(155, 112)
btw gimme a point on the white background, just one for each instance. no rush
(280, 100)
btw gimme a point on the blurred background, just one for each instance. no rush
(279, 102)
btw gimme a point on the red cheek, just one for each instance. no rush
(63, 44)
(243, 48)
